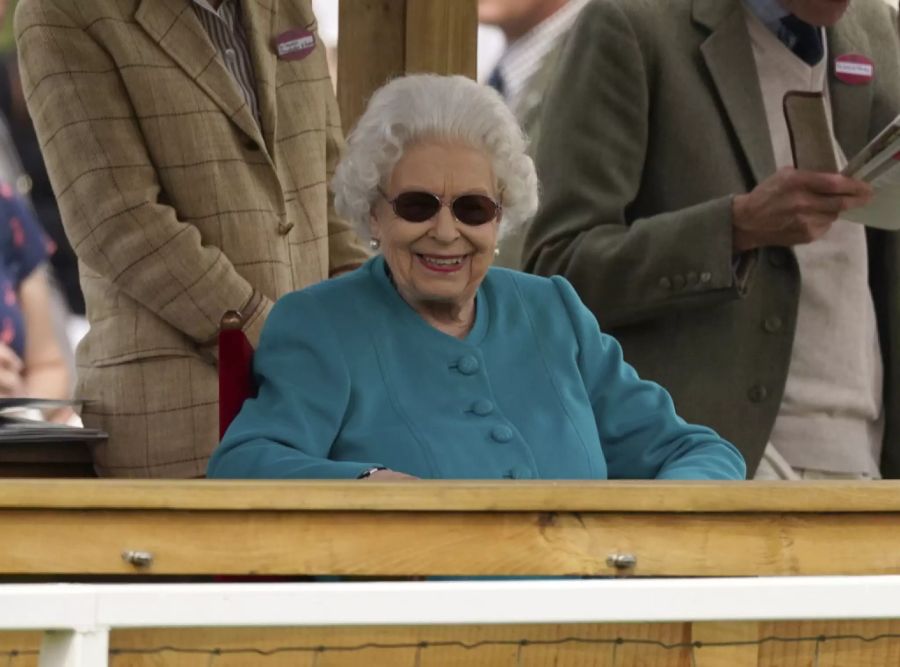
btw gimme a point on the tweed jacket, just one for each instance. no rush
(654, 122)
(179, 204)
(351, 377)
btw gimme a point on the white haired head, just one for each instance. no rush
(429, 106)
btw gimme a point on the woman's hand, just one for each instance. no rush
(11, 383)
(389, 475)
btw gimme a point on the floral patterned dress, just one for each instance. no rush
(23, 247)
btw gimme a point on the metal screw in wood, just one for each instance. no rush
(138, 558)
(621, 561)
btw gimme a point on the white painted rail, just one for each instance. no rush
(76, 618)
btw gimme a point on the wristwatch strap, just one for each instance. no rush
(369, 471)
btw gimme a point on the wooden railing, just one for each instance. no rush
(75, 529)
(450, 528)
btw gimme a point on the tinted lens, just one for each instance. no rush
(416, 206)
(474, 209)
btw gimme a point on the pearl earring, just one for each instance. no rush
(374, 244)
(496, 252)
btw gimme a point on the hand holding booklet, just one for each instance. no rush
(878, 163)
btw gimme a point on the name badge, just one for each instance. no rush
(854, 69)
(295, 44)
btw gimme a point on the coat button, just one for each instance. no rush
(520, 472)
(467, 365)
(285, 227)
(482, 407)
(705, 277)
(778, 257)
(665, 283)
(773, 324)
(502, 433)
(757, 393)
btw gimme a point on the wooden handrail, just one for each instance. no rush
(455, 496)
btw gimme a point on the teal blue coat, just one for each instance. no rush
(350, 377)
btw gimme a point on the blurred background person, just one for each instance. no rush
(32, 179)
(535, 32)
(428, 362)
(190, 184)
(32, 359)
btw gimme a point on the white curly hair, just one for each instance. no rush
(422, 106)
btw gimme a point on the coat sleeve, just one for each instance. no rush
(106, 184)
(641, 435)
(287, 431)
(591, 160)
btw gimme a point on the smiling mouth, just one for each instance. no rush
(442, 263)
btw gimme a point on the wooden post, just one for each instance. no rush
(381, 39)
(441, 36)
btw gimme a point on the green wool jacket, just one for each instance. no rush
(654, 122)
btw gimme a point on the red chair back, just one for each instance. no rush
(235, 370)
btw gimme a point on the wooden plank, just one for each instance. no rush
(371, 50)
(442, 36)
(848, 643)
(447, 543)
(840, 650)
(482, 646)
(745, 654)
(441, 496)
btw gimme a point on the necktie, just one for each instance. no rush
(495, 81)
(803, 39)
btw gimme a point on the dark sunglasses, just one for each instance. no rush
(471, 209)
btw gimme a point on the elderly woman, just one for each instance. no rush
(426, 362)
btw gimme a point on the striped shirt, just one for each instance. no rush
(523, 57)
(226, 31)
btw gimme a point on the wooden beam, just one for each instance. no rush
(465, 496)
(446, 543)
(442, 36)
(371, 50)
(382, 39)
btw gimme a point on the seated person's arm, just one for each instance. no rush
(641, 436)
(46, 373)
(304, 389)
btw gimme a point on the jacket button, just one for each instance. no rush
(757, 393)
(773, 324)
(467, 365)
(285, 227)
(502, 433)
(665, 283)
(705, 277)
(482, 407)
(778, 257)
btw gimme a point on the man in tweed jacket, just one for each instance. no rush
(184, 196)
(664, 121)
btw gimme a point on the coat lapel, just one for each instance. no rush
(728, 54)
(173, 25)
(260, 24)
(851, 105)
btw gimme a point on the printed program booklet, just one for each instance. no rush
(878, 163)
(21, 421)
